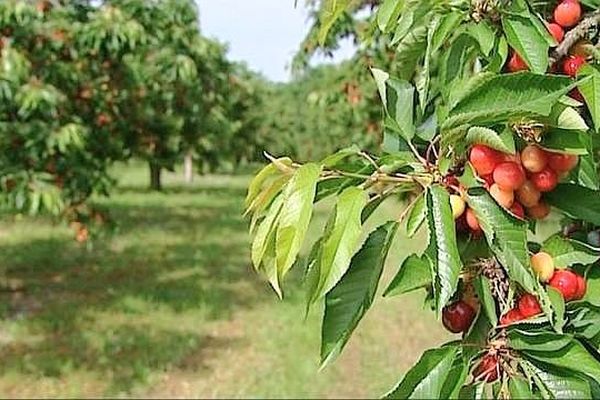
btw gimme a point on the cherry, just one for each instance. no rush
(562, 162)
(557, 32)
(484, 159)
(458, 317)
(505, 198)
(534, 159)
(511, 317)
(529, 306)
(518, 210)
(487, 369)
(509, 175)
(539, 211)
(545, 181)
(567, 13)
(472, 221)
(565, 282)
(458, 206)
(528, 194)
(572, 64)
(489, 180)
(543, 266)
(516, 63)
(581, 288)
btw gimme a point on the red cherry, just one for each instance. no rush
(545, 181)
(511, 317)
(581, 288)
(518, 210)
(509, 175)
(489, 180)
(458, 317)
(529, 305)
(572, 64)
(487, 369)
(472, 221)
(484, 159)
(562, 162)
(567, 13)
(565, 282)
(557, 32)
(516, 63)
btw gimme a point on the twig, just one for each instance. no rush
(574, 35)
(369, 159)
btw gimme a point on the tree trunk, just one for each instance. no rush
(155, 183)
(188, 168)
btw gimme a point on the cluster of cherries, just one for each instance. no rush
(458, 316)
(517, 182)
(566, 15)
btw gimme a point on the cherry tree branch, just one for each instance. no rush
(574, 35)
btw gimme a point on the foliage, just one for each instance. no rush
(458, 92)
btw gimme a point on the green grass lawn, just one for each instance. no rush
(169, 306)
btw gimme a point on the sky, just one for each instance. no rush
(263, 33)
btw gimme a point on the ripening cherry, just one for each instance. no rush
(487, 369)
(472, 221)
(529, 305)
(505, 198)
(542, 264)
(557, 32)
(545, 181)
(534, 159)
(539, 211)
(565, 282)
(458, 317)
(458, 206)
(562, 162)
(516, 63)
(581, 288)
(567, 13)
(511, 317)
(489, 180)
(509, 176)
(572, 64)
(518, 210)
(528, 195)
(484, 159)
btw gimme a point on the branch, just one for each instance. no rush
(574, 35)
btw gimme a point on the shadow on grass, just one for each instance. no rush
(134, 304)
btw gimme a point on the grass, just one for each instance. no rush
(169, 306)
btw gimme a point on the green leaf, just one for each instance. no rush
(566, 141)
(348, 301)
(506, 235)
(296, 213)
(484, 35)
(519, 388)
(484, 292)
(263, 246)
(333, 160)
(417, 216)
(577, 201)
(523, 36)
(590, 89)
(481, 135)
(455, 380)
(564, 386)
(443, 248)
(388, 14)
(340, 244)
(414, 273)
(331, 11)
(257, 183)
(568, 252)
(398, 100)
(426, 379)
(501, 97)
(558, 305)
